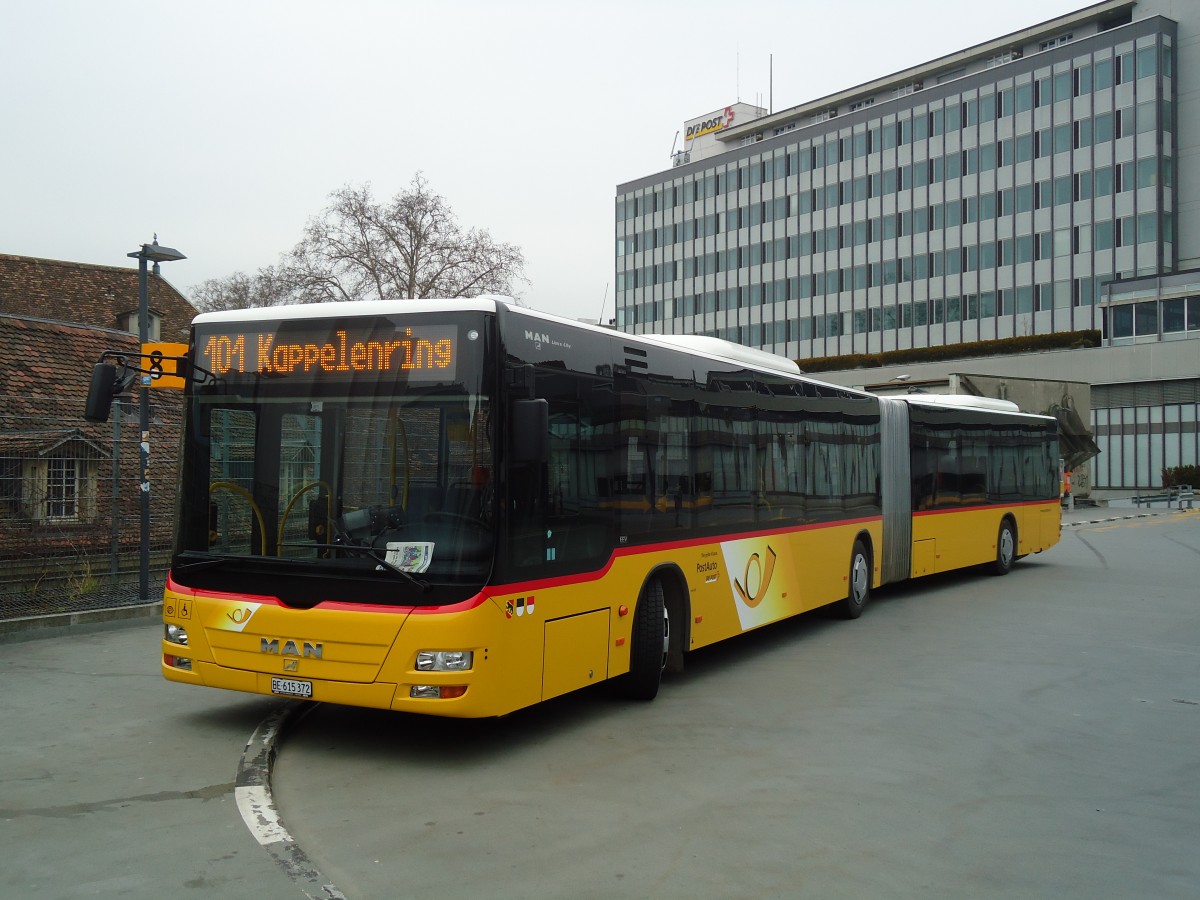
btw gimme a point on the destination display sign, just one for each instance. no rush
(420, 352)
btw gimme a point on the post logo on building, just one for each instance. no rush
(713, 124)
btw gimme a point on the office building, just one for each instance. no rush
(1046, 181)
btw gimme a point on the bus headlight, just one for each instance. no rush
(176, 634)
(445, 660)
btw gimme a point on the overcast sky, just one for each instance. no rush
(223, 126)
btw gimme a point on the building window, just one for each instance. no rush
(1147, 58)
(1055, 41)
(1024, 97)
(62, 489)
(129, 322)
(1082, 81)
(1145, 317)
(1173, 316)
(10, 485)
(1147, 227)
(1001, 59)
(59, 487)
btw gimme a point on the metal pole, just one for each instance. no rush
(115, 541)
(144, 444)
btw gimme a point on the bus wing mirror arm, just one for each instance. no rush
(108, 381)
(530, 428)
(520, 380)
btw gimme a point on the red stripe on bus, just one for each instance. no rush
(517, 587)
(982, 506)
(265, 600)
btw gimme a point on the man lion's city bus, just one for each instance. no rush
(464, 507)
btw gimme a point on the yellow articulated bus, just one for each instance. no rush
(463, 507)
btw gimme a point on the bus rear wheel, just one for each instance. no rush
(648, 646)
(858, 588)
(1006, 548)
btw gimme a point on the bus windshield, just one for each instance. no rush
(361, 463)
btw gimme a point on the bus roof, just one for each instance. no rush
(702, 345)
(349, 308)
(967, 401)
(699, 343)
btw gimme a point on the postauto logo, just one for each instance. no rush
(708, 126)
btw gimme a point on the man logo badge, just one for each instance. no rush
(290, 648)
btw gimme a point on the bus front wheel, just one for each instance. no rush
(650, 641)
(1006, 548)
(858, 588)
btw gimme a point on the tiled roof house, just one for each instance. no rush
(69, 499)
(102, 296)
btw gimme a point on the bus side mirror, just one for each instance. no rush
(101, 392)
(530, 425)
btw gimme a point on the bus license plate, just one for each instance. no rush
(290, 687)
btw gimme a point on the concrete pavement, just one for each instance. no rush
(1035, 735)
(115, 783)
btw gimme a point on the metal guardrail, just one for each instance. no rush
(1174, 496)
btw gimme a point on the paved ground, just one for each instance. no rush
(1028, 736)
(113, 783)
(971, 736)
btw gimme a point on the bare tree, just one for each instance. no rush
(410, 246)
(361, 249)
(266, 287)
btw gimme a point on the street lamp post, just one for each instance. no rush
(156, 254)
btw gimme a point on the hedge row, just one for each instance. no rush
(1061, 340)
(1181, 475)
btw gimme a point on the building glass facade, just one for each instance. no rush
(1143, 427)
(985, 202)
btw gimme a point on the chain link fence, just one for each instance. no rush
(70, 504)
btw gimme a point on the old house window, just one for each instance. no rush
(54, 484)
(129, 322)
(10, 486)
(62, 489)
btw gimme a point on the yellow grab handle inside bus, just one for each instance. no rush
(296, 496)
(241, 491)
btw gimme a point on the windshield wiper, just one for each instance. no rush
(204, 563)
(384, 565)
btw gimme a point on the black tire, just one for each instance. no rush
(648, 645)
(1006, 548)
(858, 586)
